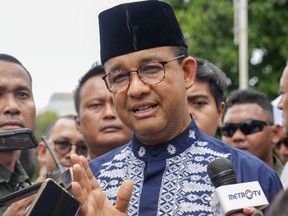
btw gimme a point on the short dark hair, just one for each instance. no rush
(178, 51)
(52, 124)
(241, 96)
(95, 70)
(216, 78)
(9, 58)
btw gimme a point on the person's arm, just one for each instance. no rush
(91, 197)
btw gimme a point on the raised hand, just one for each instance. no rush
(93, 200)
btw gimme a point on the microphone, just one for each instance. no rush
(230, 196)
(60, 169)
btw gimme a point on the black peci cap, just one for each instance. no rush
(132, 27)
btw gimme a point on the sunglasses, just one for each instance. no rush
(247, 127)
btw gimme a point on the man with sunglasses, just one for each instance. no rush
(248, 125)
(148, 71)
(64, 139)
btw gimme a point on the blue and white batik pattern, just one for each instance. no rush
(185, 187)
(178, 169)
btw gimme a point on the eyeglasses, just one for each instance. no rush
(247, 127)
(151, 73)
(63, 147)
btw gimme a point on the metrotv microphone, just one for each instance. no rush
(230, 196)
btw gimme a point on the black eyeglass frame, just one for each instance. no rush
(163, 63)
(258, 126)
(60, 143)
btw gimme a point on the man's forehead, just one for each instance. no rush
(10, 67)
(246, 109)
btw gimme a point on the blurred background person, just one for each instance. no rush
(64, 139)
(279, 205)
(205, 97)
(248, 124)
(283, 105)
(97, 119)
(281, 148)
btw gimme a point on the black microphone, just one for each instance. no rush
(221, 172)
(230, 196)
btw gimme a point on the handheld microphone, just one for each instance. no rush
(229, 196)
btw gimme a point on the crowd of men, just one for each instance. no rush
(146, 119)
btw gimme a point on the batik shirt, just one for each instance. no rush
(171, 178)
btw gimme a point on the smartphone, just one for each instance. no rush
(18, 139)
(20, 194)
(52, 199)
(64, 180)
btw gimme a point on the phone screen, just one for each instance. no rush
(65, 179)
(54, 200)
(18, 139)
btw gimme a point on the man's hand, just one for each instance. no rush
(249, 211)
(91, 197)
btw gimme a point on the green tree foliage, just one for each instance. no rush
(208, 27)
(42, 121)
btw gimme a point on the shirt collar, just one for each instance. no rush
(18, 170)
(167, 149)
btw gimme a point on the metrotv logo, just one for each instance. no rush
(247, 194)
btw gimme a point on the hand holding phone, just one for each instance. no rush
(65, 180)
(52, 199)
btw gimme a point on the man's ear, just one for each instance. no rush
(278, 133)
(42, 149)
(189, 66)
(221, 112)
(77, 122)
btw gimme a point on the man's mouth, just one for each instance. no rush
(11, 125)
(110, 128)
(144, 109)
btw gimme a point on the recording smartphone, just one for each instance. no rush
(65, 180)
(18, 139)
(20, 194)
(52, 199)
